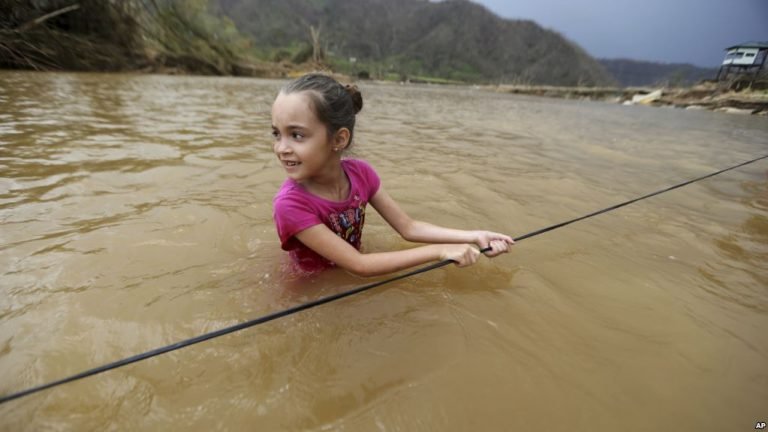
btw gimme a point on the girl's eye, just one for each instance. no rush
(297, 135)
(275, 134)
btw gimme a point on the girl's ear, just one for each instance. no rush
(341, 139)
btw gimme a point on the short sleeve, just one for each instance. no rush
(291, 217)
(371, 178)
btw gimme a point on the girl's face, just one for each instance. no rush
(301, 142)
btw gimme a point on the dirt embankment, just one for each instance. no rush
(705, 96)
(743, 102)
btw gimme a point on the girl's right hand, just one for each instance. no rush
(462, 254)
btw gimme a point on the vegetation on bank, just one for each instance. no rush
(87, 35)
(121, 35)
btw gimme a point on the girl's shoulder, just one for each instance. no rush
(362, 173)
(289, 188)
(358, 165)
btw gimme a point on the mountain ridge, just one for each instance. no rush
(629, 72)
(453, 39)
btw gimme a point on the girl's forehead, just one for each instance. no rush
(293, 106)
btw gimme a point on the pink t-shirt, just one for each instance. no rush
(296, 209)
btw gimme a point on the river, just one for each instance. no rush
(135, 211)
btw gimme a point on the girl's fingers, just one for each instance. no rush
(472, 254)
(503, 237)
(466, 255)
(497, 247)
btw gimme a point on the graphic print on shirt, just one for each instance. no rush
(348, 224)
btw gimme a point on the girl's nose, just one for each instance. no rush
(281, 146)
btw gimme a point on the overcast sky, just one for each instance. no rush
(671, 31)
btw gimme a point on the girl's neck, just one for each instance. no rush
(332, 185)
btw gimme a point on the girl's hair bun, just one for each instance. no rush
(357, 97)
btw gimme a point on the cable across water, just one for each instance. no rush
(330, 298)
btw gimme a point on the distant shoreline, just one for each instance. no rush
(699, 97)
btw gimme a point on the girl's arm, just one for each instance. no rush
(422, 232)
(325, 242)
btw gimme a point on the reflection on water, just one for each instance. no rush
(136, 211)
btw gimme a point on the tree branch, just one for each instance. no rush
(29, 24)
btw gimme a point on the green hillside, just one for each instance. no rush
(453, 39)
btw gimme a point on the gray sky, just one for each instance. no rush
(671, 31)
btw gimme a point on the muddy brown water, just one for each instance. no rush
(135, 211)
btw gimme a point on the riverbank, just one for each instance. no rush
(703, 96)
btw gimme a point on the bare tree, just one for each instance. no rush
(317, 49)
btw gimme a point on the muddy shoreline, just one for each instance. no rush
(703, 97)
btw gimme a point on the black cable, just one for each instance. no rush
(614, 207)
(327, 299)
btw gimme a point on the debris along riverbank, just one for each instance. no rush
(704, 96)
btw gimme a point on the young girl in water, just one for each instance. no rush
(320, 209)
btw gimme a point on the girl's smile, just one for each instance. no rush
(289, 165)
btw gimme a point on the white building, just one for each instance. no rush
(743, 63)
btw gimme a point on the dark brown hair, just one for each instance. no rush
(334, 104)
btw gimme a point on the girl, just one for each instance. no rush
(320, 209)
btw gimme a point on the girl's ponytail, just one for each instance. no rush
(357, 97)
